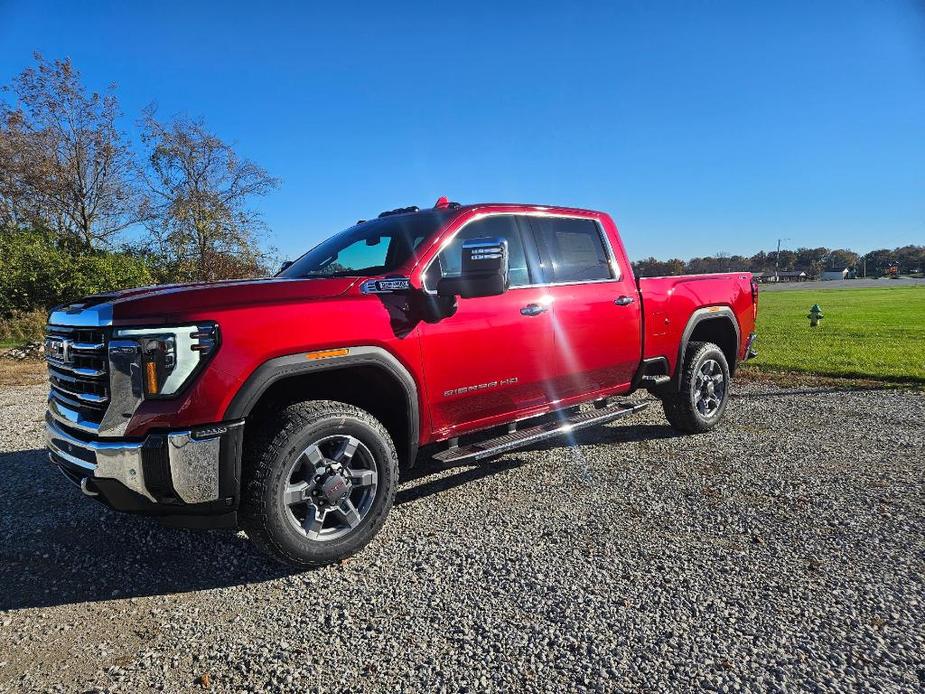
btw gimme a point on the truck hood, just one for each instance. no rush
(165, 302)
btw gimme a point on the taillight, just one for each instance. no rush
(754, 298)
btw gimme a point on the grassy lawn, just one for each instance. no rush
(866, 333)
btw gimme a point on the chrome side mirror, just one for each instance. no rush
(484, 270)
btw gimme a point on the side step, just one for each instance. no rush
(654, 380)
(525, 437)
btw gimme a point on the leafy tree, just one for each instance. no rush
(650, 267)
(809, 260)
(839, 259)
(64, 165)
(199, 192)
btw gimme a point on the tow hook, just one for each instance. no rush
(85, 487)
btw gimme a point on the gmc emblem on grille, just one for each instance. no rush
(58, 349)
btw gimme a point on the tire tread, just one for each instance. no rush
(270, 440)
(680, 411)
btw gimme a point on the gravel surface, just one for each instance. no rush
(784, 551)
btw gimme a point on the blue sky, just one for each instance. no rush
(701, 127)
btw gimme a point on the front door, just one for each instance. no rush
(492, 357)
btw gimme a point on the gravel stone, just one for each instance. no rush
(783, 551)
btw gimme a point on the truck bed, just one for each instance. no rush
(669, 302)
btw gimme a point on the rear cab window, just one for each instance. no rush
(572, 250)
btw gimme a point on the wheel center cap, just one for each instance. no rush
(335, 488)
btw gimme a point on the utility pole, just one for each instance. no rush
(777, 263)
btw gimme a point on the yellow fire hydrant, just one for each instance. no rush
(815, 315)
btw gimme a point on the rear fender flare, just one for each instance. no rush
(723, 313)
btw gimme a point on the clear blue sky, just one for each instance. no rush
(702, 127)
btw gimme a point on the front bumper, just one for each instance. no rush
(185, 477)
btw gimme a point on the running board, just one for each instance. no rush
(525, 437)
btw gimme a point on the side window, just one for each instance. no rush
(572, 249)
(449, 261)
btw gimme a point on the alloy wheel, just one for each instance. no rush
(709, 388)
(330, 487)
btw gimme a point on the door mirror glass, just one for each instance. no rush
(483, 270)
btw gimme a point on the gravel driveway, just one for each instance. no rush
(786, 550)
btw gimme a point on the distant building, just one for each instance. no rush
(790, 276)
(834, 275)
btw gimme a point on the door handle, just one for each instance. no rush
(532, 310)
(624, 300)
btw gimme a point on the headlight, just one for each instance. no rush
(171, 356)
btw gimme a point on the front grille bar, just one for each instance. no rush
(78, 369)
(88, 346)
(91, 398)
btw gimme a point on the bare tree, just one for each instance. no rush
(199, 191)
(64, 165)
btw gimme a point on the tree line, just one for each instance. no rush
(84, 207)
(812, 261)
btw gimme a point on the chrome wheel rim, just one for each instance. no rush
(330, 488)
(709, 388)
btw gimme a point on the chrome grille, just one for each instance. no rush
(78, 369)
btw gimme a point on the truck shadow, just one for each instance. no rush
(469, 472)
(57, 547)
(425, 466)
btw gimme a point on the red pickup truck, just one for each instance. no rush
(284, 406)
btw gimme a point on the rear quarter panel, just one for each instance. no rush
(669, 302)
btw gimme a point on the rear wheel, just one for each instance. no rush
(318, 483)
(699, 403)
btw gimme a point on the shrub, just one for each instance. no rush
(20, 327)
(38, 272)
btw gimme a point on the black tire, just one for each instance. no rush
(269, 457)
(684, 407)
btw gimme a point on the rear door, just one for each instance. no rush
(492, 358)
(596, 313)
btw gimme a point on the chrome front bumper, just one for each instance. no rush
(186, 463)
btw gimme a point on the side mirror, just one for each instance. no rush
(484, 270)
(284, 266)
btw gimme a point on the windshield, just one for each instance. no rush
(371, 248)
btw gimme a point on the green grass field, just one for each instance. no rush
(866, 333)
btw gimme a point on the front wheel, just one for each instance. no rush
(318, 483)
(699, 403)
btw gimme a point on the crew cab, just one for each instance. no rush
(284, 406)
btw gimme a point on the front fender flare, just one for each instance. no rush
(276, 369)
